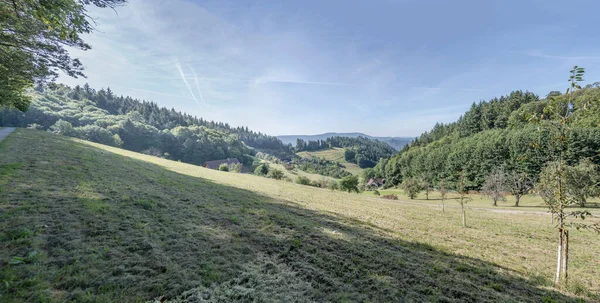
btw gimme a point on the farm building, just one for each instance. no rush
(376, 182)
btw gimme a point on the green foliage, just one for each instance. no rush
(321, 167)
(276, 174)
(362, 151)
(412, 187)
(367, 174)
(349, 184)
(582, 181)
(236, 167)
(102, 117)
(303, 180)
(224, 167)
(34, 40)
(376, 193)
(262, 170)
(333, 185)
(494, 186)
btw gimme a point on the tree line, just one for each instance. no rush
(102, 117)
(521, 147)
(362, 151)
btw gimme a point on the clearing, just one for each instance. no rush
(334, 154)
(90, 223)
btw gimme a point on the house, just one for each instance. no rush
(216, 163)
(376, 182)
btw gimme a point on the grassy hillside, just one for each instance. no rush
(334, 154)
(90, 223)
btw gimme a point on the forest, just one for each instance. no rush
(510, 133)
(362, 151)
(101, 116)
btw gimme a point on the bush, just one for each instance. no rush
(349, 184)
(224, 167)
(333, 185)
(236, 168)
(262, 170)
(303, 180)
(275, 174)
(390, 197)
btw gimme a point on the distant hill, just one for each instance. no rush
(396, 142)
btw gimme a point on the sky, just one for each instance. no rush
(381, 67)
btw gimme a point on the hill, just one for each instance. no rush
(396, 142)
(102, 117)
(91, 223)
(497, 134)
(334, 154)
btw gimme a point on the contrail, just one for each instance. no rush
(178, 66)
(197, 84)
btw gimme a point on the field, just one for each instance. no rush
(334, 154)
(89, 223)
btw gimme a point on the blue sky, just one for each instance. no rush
(382, 67)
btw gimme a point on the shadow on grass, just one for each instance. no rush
(86, 225)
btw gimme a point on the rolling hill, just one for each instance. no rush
(396, 142)
(86, 222)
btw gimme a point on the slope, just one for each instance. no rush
(90, 223)
(334, 154)
(395, 142)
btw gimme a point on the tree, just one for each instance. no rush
(367, 174)
(443, 189)
(64, 128)
(350, 155)
(349, 184)
(463, 192)
(32, 43)
(582, 181)
(275, 174)
(493, 187)
(553, 183)
(411, 187)
(262, 170)
(236, 167)
(333, 185)
(224, 167)
(425, 186)
(518, 184)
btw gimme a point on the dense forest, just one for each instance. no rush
(499, 134)
(362, 151)
(100, 116)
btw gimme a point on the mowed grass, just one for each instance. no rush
(530, 202)
(84, 222)
(334, 154)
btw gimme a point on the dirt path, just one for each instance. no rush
(5, 131)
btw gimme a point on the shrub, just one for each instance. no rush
(224, 167)
(390, 197)
(236, 168)
(333, 185)
(303, 180)
(262, 170)
(275, 174)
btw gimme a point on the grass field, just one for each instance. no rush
(334, 154)
(89, 223)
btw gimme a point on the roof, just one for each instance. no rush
(216, 163)
(376, 181)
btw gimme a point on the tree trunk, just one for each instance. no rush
(443, 208)
(566, 256)
(517, 198)
(464, 219)
(495, 202)
(426, 195)
(582, 202)
(559, 260)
